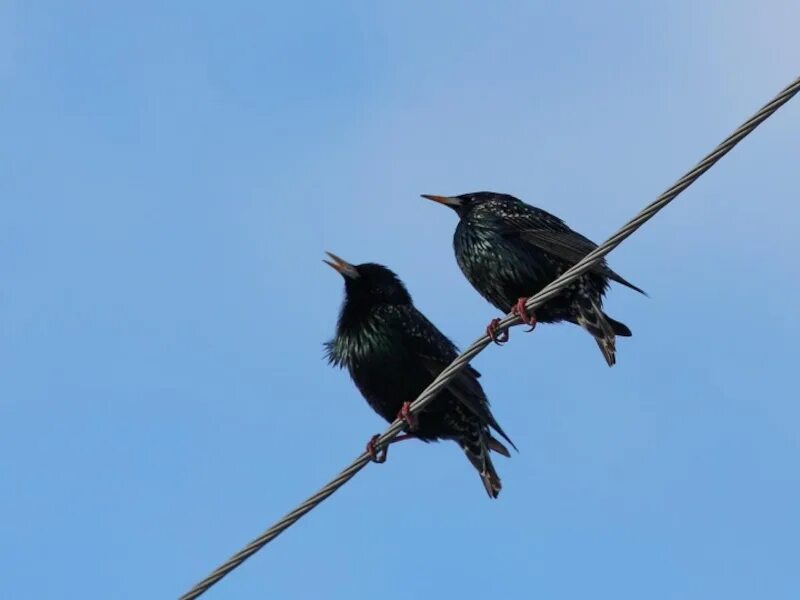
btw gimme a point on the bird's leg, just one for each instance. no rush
(407, 417)
(377, 457)
(491, 331)
(380, 457)
(522, 312)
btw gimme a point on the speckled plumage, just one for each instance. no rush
(508, 249)
(393, 353)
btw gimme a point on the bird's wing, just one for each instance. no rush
(436, 352)
(554, 237)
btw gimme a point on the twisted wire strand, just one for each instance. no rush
(547, 293)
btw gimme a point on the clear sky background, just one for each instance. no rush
(170, 176)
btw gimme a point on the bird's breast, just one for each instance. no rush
(484, 254)
(501, 268)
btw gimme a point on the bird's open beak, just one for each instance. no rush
(341, 265)
(450, 201)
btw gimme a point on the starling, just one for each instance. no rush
(393, 353)
(509, 251)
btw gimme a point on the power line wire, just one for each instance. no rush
(549, 292)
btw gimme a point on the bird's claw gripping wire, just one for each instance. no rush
(519, 309)
(408, 417)
(491, 330)
(596, 255)
(377, 456)
(524, 315)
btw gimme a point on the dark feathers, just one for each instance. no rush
(508, 250)
(393, 352)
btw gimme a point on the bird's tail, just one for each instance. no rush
(603, 328)
(478, 454)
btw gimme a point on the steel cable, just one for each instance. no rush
(550, 291)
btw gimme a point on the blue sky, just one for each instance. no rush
(169, 179)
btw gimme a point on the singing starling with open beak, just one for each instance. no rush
(393, 353)
(509, 251)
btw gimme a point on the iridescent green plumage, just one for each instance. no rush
(508, 250)
(393, 353)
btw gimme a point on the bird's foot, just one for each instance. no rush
(522, 312)
(491, 330)
(408, 417)
(380, 456)
(374, 454)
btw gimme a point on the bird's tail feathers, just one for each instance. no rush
(604, 330)
(496, 426)
(619, 279)
(608, 349)
(478, 455)
(497, 446)
(620, 329)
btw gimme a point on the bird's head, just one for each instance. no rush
(369, 283)
(464, 203)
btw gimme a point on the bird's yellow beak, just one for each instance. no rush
(341, 265)
(450, 201)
